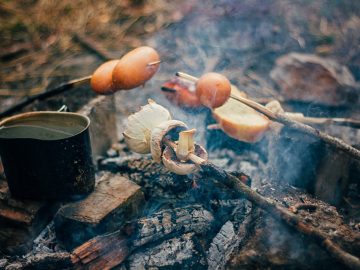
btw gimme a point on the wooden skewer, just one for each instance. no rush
(277, 211)
(46, 94)
(303, 119)
(154, 63)
(53, 92)
(347, 122)
(285, 120)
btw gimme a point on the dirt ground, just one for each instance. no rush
(40, 39)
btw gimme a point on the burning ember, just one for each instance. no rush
(253, 164)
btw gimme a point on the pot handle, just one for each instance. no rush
(63, 108)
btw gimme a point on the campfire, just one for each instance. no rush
(189, 173)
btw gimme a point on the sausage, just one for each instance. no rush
(133, 69)
(101, 80)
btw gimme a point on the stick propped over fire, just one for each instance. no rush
(214, 90)
(151, 130)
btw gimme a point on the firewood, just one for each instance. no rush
(42, 261)
(101, 252)
(108, 250)
(181, 251)
(114, 200)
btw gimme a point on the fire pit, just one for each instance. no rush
(259, 194)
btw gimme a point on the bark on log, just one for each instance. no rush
(231, 235)
(173, 253)
(42, 261)
(108, 250)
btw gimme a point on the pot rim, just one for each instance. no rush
(28, 115)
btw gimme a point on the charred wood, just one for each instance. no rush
(42, 261)
(284, 215)
(179, 252)
(189, 219)
(109, 250)
(101, 252)
(231, 235)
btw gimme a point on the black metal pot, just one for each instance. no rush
(47, 155)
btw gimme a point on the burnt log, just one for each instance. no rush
(42, 261)
(180, 252)
(114, 201)
(101, 252)
(189, 219)
(230, 237)
(109, 250)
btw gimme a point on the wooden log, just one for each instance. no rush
(42, 261)
(114, 201)
(109, 250)
(178, 252)
(188, 219)
(101, 252)
(231, 235)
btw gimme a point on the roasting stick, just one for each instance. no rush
(46, 94)
(306, 120)
(347, 122)
(283, 119)
(61, 88)
(272, 207)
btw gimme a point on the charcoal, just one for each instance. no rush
(229, 237)
(179, 252)
(109, 250)
(189, 219)
(222, 247)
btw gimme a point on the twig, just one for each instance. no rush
(283, 119)
(274, 208)
(347, 122)
(49, 93)
(58, 260)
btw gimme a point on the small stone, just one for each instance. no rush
(310, 78)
